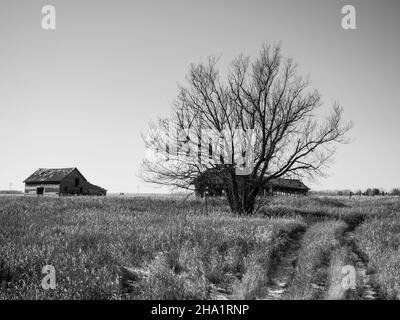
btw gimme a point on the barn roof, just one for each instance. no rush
(212, 176)
(288, 184)
(93, 186)
(49, 175)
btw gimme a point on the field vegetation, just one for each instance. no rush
(176, 249)
(379, 239)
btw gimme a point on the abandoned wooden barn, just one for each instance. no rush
(210, 183)
(64, 181)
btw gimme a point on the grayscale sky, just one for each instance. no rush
(81, 95)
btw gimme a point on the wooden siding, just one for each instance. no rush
(67, 185)
(47, 188)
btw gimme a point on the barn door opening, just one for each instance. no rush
(40, 191)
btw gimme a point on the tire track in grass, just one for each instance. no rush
(278, 274)
(366, 288)
(281, 275)
(311, 279)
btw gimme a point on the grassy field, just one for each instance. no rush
(183, 251)
(379, 238)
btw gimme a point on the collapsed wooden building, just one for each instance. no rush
(210, 183)
(64, 181)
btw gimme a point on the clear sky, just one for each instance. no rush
(81, 95)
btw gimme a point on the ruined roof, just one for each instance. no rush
(49, 175)
(212, 176)
(288, 183)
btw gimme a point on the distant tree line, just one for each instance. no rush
(377, 192)
(367, 192)
(10, 192)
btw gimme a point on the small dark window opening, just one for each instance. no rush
(76, 182)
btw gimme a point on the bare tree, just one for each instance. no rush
(265, 106)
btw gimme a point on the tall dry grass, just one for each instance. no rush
(187, 252)
(379, 239)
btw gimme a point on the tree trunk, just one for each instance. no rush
(242, 205)
(241, 194)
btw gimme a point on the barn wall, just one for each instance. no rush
(90, 189)
(67, 186)
(49, 189)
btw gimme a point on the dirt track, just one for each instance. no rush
(282, 275)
